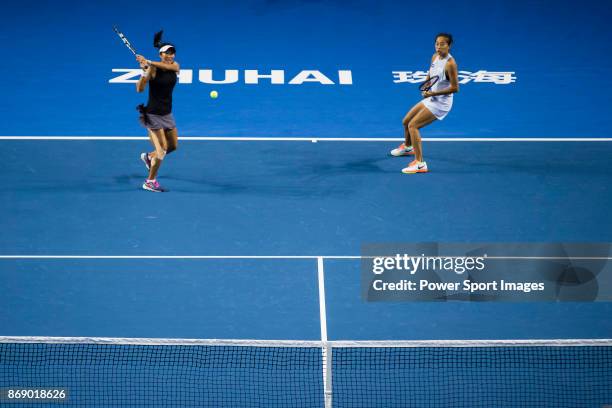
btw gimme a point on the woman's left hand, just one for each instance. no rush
(427, 94)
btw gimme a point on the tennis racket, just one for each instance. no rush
(427, 85)
(126, 42)
(124, 39)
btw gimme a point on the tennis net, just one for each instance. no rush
(110, 372)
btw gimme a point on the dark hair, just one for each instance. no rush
(449, 37)
(157, 42)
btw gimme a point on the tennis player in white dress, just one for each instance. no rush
(436, 104)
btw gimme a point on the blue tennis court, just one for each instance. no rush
(274, 190)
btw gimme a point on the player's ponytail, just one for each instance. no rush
(162, 46)
(157, 39)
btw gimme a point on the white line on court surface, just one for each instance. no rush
(322, 309)
(320, 139)
(326, 351)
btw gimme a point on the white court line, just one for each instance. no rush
(326, 351)
(321, 139)
(322, 309)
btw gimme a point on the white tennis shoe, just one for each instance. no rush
(402, 150)
(415, 167)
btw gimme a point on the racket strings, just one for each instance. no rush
(427, 85)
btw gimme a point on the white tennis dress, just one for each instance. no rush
(439, 105)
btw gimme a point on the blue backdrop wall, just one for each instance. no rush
(60, 56)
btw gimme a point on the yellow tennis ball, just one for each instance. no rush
(214, 94)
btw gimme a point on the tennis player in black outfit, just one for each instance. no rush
(157, 116)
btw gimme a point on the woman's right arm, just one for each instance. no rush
(142, 82)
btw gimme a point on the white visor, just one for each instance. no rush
(165, 48)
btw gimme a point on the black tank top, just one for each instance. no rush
(160, 92)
